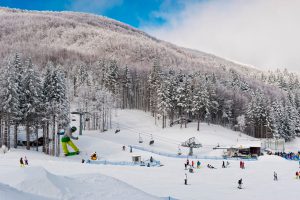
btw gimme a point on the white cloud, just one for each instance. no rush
(264, 33)
(93, 6)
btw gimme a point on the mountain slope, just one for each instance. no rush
(67, 37)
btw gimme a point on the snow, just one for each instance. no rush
(67, 178)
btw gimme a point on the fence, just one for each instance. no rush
(191, 157)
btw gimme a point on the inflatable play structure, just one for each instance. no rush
(66, 140)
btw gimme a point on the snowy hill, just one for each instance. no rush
(69, 37)
(67, 178)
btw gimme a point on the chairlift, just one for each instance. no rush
(151, 140)
(179, 151)
(140, 138)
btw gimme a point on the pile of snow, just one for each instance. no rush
(39, 181)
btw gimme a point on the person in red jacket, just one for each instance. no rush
(193, 163)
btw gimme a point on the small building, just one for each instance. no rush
(136, 159)
(247, 148)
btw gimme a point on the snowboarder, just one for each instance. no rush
(25, 160)
(223, 164)
(240, 182)
(198, 164)
(275, 176)
(185, 179)
(66, 140)
(21, 162)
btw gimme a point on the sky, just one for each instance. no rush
(262, 33)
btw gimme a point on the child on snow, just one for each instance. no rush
(185, 179)
(26, 161)
(198, 164)
(240, 182)
(21, 162)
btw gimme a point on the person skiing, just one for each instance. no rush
(240, 182)
(130, 149)
(185, 166)
(275, 176)
(66, 140)
(187, 162)
(185, 179)
(21, 162)
(193, 163)
(198, 164)
(241, 164)
(25, 160)
(223, 165)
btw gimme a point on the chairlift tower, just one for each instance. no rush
(191, 143)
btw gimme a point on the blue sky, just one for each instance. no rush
(134, 12)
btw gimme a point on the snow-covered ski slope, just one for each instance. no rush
(68, 178)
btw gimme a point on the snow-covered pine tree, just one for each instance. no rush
(163, 98)
(32, 84)
(154, 82)
(10, 101)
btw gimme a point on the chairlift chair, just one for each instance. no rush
(151, 140)
(140, 138)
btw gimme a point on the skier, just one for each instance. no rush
(192, 163)
(66, 140)
(275, 176)
(198, 164)
(240, 182)
(123, 148)
(21, 162)
(241, 164)
(223, 165)
(185, 179)
(185, 166)
(151, 159)
(25, 160)
(187, 162)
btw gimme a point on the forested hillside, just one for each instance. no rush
(49, 59)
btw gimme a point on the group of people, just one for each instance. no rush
(225, 165)
(192, 164)
(24, 161)
(289, 156)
